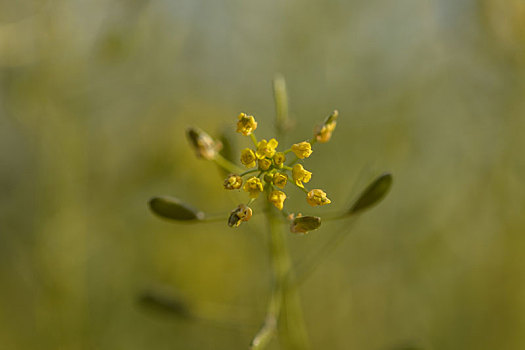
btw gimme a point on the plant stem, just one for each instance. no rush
(284, 310)
(293, 161)
(281, 105)
(249, 172)
(226, 164)
(254, 139)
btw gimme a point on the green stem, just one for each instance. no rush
(293, 161)
(254, 139)
(214, 218)
(249, 172)
(226, 164)
(284, 310)
(301, 188)
(333, 216)
(281, 105)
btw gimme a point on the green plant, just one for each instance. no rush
(267, 172)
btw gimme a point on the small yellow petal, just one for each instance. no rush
(280, 180)
(266, 148)
(317, 197)
(279, 158)
(248, 158)
(264, 164)
(233, 182)
(277, 198)
(253, 186)
(302, 150)
(300, 175)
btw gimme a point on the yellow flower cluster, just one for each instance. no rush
(271, 168)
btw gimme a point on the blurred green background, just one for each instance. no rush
(94, 100)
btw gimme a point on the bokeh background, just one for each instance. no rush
(94, 100)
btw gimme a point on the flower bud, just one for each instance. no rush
(278, 159)
(248, 158)
(266, 148)
(246, 124)
(302, 149)
(317, 197)
(239, 214)
(300, 175)
(264, 164)
(253, 186)
(280, 180)
(233, 182)
(323, 132)
(204, 146)
(268, 177)
(277, 198)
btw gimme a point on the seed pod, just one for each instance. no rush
(304, 224)
(172, 303)
(373, 194)
(172, 208)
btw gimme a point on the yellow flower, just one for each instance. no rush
(246, 124)
(253, 186)
(248, 158)
(280, 180)
(323, 132)
(266, 148)
(233, 182)
(300, 175)
(268, 177)
(302, 150)
(317, 197)
(264, 164)
(279, 158)
(239, 214)
(277, 198)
